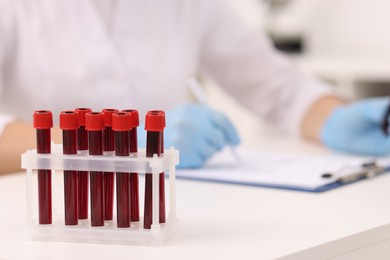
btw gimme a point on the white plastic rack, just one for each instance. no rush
(109, 233)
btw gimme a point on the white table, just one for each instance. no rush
(222, 221)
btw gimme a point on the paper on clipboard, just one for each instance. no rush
(278, 170)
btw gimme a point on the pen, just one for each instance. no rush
(385, 122)
(198, 92)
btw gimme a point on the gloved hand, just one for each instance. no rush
(198, 132)
(356, 128)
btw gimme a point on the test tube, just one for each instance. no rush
(82, 147)
(154, 125)
(162, 216)
(121, 124)
(94, 123)
(69, 123)
(108, 146)
(43, 122)
(134, 182)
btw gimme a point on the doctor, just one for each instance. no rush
(63, 54)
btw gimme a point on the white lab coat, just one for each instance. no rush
(59, 55)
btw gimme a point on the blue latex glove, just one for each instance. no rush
(356, 128)
(198, 132)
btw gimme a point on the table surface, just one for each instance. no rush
(219, 221)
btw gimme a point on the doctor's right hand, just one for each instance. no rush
(198, 132)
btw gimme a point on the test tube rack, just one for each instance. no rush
(109, 233)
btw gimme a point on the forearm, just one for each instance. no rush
(317, 115)
(16, 139)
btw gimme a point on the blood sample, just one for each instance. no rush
(154, 125)
(121, 125)
(108, 146)
(134, 190)
(94, 123)
(162, 215)
(69, 123)
(82, 147)
(43, 121)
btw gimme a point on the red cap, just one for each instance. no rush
(43, 119)
(121, 121)
(155, 121)
(69, 120)
(94, 121)
(108, 115)
(82, 112)
(134, 116)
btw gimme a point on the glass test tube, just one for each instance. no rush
(121, 124)
(162, 216)
(134, 182)
(94, 123)
(108, 146)
(69, 124)
(154, 125)
(43, 121)
(83, 176)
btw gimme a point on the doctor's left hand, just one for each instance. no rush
(198, 132)
(356, 128)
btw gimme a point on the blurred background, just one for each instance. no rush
(343, 42)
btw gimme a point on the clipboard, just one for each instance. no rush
(300, 172)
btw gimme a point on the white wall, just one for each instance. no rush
(358, 28)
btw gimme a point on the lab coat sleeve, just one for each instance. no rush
(4, 118)
(242, 60)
